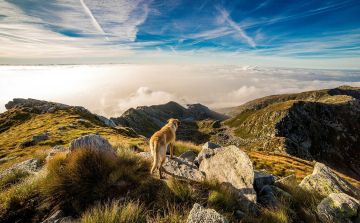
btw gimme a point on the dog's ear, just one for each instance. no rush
(179, 123)
(169, 120)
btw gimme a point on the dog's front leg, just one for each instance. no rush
(172, 150)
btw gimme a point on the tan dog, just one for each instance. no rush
(159, 142)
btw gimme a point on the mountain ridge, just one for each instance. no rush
(146, 120)
(324, 128)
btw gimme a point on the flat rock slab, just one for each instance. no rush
(177, 167)
(325, 181)
(199, 214)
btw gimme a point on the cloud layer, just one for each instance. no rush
(110, 90)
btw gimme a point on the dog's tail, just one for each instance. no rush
(154, 146)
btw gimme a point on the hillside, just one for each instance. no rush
(196, 118)
(319, 125)
(51, 124)
(315, 96)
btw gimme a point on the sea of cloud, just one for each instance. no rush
(110, 90)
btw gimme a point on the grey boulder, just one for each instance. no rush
(325, 181)
(178, 168)
(232, 167)
(339, 208)
(199, 214)
(94, 142)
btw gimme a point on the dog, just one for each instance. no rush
(160, 141)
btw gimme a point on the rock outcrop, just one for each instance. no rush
(31, 165)
(319, 125)
(38, 106)
(339, 208)
(146, 120)
(230, 166)
(94, 142)
(199, 214)
(55, 150)
(325, 181)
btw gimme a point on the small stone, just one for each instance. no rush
(261, 179)
(39, 138)
(81, 121)
(57, 216)
(240, 213)
(73, 126)
(199, 214)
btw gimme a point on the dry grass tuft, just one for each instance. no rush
(86, 176)
(115, 212)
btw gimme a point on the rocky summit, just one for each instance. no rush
(318, 125)
(146, 120)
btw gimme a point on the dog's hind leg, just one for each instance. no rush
(155, 152)
(160, 170)
(172, 150)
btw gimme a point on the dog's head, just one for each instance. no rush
(175, 122)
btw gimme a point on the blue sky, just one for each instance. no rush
(283, 33)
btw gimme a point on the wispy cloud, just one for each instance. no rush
(226, 16)
(96, 24)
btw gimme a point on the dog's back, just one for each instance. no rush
(159, 142)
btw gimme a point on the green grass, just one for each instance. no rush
(17, 196)
(181, 189)
(182, 146)
(115, 212)
(12, 178)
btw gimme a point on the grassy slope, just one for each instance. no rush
(11, 140)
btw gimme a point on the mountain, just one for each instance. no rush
(317, 125)
(146, 120)
(315, 96)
